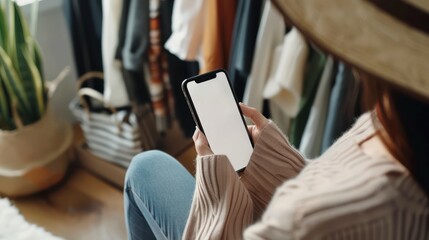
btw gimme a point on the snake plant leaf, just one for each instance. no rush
(22, 91)
(22, 28)
(33, 84)
(38, 58)
(22, 34)
(3, 27)
(6, 121)
(22, 39)
(28, 46)
(5, 114)
(13, 83)
(11, 46)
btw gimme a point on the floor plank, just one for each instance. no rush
(82, 207)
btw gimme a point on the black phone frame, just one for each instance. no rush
(206, 77)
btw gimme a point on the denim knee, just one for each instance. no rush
(143, 165)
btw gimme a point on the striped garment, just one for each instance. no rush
(344, 194)
(158, 81)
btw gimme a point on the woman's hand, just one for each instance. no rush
(257, 118)
(201, 143)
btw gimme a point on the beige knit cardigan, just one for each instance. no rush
(344, 194)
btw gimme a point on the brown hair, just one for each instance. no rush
(404, 127)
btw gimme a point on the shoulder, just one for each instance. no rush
(344, 191)
(299, 211)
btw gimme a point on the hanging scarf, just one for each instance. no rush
(159, 82)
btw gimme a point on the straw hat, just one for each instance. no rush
(385, 38)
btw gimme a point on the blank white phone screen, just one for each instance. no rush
(221, 120)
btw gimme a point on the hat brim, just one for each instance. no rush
(365, 37)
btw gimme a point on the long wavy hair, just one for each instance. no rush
(405, 125)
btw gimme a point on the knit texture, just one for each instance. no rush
(345, 194)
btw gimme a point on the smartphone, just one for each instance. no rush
(217, 114)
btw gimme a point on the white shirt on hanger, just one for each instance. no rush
(187, 29)
(270, 35)
(285, 88)
(115, 93)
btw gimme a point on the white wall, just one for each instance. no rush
(54, 40)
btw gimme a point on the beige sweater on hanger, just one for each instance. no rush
(345, 194)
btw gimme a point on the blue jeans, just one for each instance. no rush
(157, 196)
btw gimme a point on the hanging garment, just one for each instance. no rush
(158, 81)
(115, 93)
(133, 42)
(217, 34)
(282, 121)
(144, 61)
(276, 112)
(133, 34)
(285, 88)
(246, 27)
(187, 25)
(84, 20)
(343, 105)
(132, 45)
(178, 70)
(270, 35)
(141, 107)
(311, 141)
(315, 65)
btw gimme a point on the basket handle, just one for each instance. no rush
(88, 76)
(84, 78)
(92, 93)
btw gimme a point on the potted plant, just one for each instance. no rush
(34, 145)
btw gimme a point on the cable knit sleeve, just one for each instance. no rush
(223, 204)
(221, 207)
(273, 161)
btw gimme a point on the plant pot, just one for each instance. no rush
(35, 156)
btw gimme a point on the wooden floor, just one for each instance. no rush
(83, 206)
